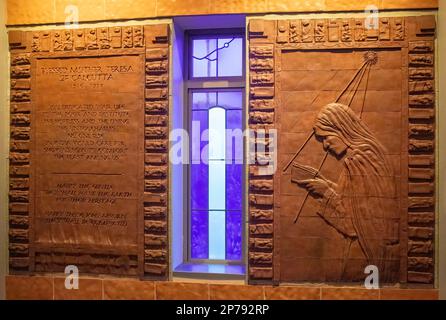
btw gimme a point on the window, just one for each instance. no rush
(215, 219)
(219, 56)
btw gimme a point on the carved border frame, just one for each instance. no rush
(415, 37)
(151, 42)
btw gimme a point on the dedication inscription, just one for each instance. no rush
(89, 135)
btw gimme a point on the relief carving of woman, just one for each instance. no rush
(362, 205)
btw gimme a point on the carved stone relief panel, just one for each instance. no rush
(354, 185)
(88, 178)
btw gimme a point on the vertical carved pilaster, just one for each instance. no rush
(156, 258)
(421, 148)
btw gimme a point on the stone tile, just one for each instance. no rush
(236, 292)
(129, 9)
(412, 4)
(89, 289)
(292, 293)
(349, 294)
(181, 291)
(88, 10)
(129, 290)
(30, 11)
(166, 8)
(409, 294)
(238, 6)
(295, 5)
(340, 5)
(29, 288)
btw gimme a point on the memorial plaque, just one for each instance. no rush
(88, 151)
(88, 159)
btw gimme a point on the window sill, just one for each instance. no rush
(207, 269)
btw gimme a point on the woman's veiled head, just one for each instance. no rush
(340, 128)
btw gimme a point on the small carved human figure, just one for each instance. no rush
(294, 32)
(346, 31)
(319, 34)
(362, 204)
(306, 31)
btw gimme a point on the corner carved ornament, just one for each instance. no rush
(366, 173)
(43, 237)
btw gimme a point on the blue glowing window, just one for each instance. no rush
(214, 57)
(216, 175)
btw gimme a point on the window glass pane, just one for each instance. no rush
(199, 234)
(204, 100)
(234, 235)
(230, 58)
(234, 175)
(199, 186)
(217, 185)
(217, 235)
(204, 65)
(217, 152)
(230, 99)
(199, 136)
(217, 134)
(234, 136)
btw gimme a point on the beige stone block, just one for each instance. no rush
(409, 294)
(181, 291)
(129, 9)
(89, 289)
(340, 5)
(30, 11)
(128, 290)
(236, 292)
(292, 293)
(349, 294)
(88, 10)
(238, 6)
(29, 288)
(295, 5)
(409, 4)
(167, 8)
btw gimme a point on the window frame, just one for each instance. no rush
(206, 84)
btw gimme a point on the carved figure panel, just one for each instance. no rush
(340, 198)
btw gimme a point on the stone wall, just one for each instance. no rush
(52, 288)
(25, 12)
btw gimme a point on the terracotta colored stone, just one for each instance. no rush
(295, 5)
(181, 291)
(29, 288)
(89, 289)
(30, 12)
(335, 5)
(236, 292)
(167, 8)
(292, 293)
(238, 6)
(117, 9)
(349, 294)
(409, 294)
(415, 4)
(88, 10)
(24, 11)
(128, 290)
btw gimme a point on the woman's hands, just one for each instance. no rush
(315, 186)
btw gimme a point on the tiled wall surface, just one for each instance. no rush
(53, 288)
(22, 12)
